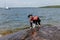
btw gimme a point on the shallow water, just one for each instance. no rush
(17, 17)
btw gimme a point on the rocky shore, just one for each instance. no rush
(46, 32)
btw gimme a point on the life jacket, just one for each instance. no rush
(34, 18)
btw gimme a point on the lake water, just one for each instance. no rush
(17, 17)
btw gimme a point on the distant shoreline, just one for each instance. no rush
(49, 6)
(54, 6)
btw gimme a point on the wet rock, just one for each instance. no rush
(46, 32)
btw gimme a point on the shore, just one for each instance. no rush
(11, 31)
(46, 32)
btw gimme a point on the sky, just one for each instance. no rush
(28, 3)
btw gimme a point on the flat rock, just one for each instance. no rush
(46, 32)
